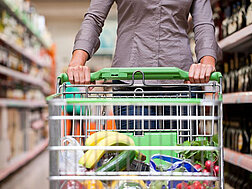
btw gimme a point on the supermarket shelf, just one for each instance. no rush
(237, 98)
(38, 124)
(20, 17)
(21, 51)
(4, 102)
(24, 77)
(238, 41)
(23, 159)
(242, 160)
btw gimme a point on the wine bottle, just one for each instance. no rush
(225, 22)
(226, 79)
(249, 14)
(233, 22)
(232, 76)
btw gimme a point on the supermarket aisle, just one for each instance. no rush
(33, 175)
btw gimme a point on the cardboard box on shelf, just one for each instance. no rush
(32, 138)
(4, 141)
(11, 131)
(5, 154)
(15, 132)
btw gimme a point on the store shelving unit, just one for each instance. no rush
(23, 159)
(237, 98)
(27, 124)
(24, 77)
(22, 103)
(22, 51)
(242, 160)
(238, 41)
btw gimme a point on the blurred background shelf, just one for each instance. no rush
(24, 77)
(22, 19)
(241, 160)
(238, 41)
(237, 98)
(38, 124)
(23, 159)
(22, 103)
(22, 51)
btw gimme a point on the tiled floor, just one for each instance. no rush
(32, 176)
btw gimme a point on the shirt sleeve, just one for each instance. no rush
(87, 38)
(204, 29)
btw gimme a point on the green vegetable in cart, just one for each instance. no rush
(158, 184)
(91, 157)
(123, 184)
(119, 162)
(197, 154)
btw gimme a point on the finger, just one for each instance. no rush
(81, 75)
(203, 73)
(191, 73)
(196, 76)
(70, 76)
(87, 75)
(209, 70)
(76, 77)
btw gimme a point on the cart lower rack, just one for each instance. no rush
(136, 135)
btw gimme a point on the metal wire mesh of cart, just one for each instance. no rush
(136, 135)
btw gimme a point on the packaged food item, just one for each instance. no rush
(125, 184)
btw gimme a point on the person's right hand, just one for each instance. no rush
(77, 72)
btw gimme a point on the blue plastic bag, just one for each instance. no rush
(175, 164)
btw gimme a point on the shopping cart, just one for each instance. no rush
(143, 135)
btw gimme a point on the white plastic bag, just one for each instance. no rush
(69, 159)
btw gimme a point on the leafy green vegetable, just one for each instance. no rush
(197, 156)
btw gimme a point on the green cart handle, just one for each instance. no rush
(150, 73)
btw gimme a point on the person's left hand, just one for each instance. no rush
(200, 73)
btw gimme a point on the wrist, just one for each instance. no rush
(208, 60)
(79, 58)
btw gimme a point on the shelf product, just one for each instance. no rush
(237, 136)
(237, 177)
(237, 75)
(27, 16)
(234, 16)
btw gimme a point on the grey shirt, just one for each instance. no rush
(151, 33)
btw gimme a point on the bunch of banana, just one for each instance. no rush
(103, 138)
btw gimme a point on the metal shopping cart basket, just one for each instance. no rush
(126, 132)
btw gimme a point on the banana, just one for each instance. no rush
(91, 157)
(95, 138)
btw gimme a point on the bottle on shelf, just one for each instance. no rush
(241, 14)
(240, 73)
(225, 22)
(250, 137)
(232, 75)
(226, 79)
(249, 14)
(250, 72)
(246, 73)
(233, 21)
